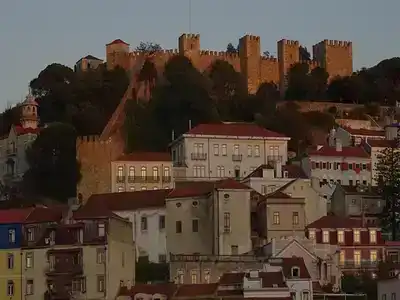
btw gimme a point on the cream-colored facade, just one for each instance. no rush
(209, 223)
(212, 156)
(141, 172)
(102, 277)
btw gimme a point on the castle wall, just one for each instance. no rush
(269, 70)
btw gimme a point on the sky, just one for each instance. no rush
(34, 34)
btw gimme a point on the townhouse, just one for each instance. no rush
(215, 151)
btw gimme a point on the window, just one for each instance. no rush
(100, 255)
(199, 148)
(131, 173)
(296, 272)
(199, 171)
(143, 188)
(100, 283)
(195, 225)
(249, 151)
(132, 188)
(372, 236)
(78, 285)
(143, 172)
(373, 255)
(356, 234)
(220, 171)
(161, 222)
(325, 236)
(10, 288)
(166, 172)
(311, 234)
(11, 235)
(342, 257)
(155, 173)
(193, 276)
(223, 150)
(179, 276)
(216, 149)
(162, 258)
(295, 218)
(123, 259)
(350, 166)
(384, 297)
(120, 189)
(30, 234)
(120, 171)
(357, 257)
(227, 222)
(235, 149)
(234, 250)
(178, 226)
(257, 151)
(264, 189)
(276, 218)
(101, 229)
(29, 287)
(143, 223)
(350, 182)
(340, 236)
(29, 259)
(305, 295)
(207, 276)
(393, 296)
(10, 261)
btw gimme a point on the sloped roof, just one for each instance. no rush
(117, 41)
(345, 152)
(366, 132)
(14, 216)
(335, 222)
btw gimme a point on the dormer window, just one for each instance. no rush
(101, 229)
(295, 272)
(311, 234)
(286, 174)
(30, 234)
(325, 236)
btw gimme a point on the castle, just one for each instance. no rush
(96, 152)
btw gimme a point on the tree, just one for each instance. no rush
(53, 168)
(304, 55)
(318, 84)
(388, 177)
(299, 83)
(232, 49)
(148, 47)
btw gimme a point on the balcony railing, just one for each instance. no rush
(166, 179)
(216, 258)
(272, 158)
(362, 264)
(237, 157)
(199, 156)
(64, 270)
(120, 179)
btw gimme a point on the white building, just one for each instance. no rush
(146, 211)
(389, 288)
(214, 151)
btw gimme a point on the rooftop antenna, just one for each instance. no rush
(190, 16)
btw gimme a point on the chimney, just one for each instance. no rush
(173, 135)
(332, 136)
(338, 145)
(273, 246)
(190, 124)
(278, 169)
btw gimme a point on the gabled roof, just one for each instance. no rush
(234, 130)
(42, 214)
(145, 156)
(117, 41)
(279, 193)
(365, 132)
(196, 290)
(289, 262)
(381, 143)
(345, 152)
(14, 216)
(335, 222)
(295, 241)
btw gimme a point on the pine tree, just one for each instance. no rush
(388, 177)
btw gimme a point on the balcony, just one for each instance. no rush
(237, 157)
(274, 158)
(64, 269)
(199, 156)
(120, 179)
(362, 264)
(166, 179)
(145, 179)
(216, 258)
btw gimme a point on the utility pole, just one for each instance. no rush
(190, 16)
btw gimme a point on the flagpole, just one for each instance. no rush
(190, 16)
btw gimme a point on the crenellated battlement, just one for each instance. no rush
(218, 54)
(160, 52)
(90, 140)
(290, 42)
(271, 59)
(191, 36)
(336, 43)
(312, 63)
(252, 37)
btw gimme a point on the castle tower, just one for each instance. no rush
(335, 56)
(117, 54)
(29, 112)
(288, 55)
(189, 45)
(250, 55)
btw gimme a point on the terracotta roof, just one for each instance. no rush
(335, 222)
(269, 279)
(192, 290)
(117, 41)
(280, 192)
(14, 216)
(203, 188)
(129, 200)
(381, 143)
(21, 130)
(46, 214)
(346, 152)
(294, 171)
(234, 129)
(167, 289)
(366, 132)
(231, 278)
(100, 212)
(145, 156)
(287, 263)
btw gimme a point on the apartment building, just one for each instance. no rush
(215, 151)
(146, 210)
(209, 218)
(358, 202)
(13, 146)
(327, 166)
(268, 178)
(361, 247)
(82, 254)
(142, 171)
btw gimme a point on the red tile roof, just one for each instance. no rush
(381, 143)
(198, 290)
(145, 156)
(203, 188)
(100, 212)
(346, 152)
(117, 41)
(269, 279)
(366, 132)
(46, 214)
(287, 263)
(167, 289)
(335, 222)
(21, 130)
(14, 216)
(234, 129)
(127, 201)
(231, 278)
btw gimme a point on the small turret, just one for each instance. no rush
(29, 112)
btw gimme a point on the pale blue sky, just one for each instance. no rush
(35, 33)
